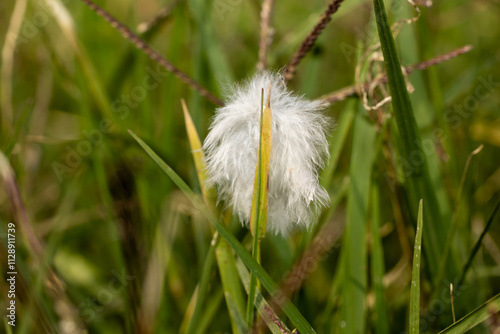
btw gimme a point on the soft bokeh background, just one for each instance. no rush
(123, 240)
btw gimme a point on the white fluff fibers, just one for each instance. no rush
(299, 148)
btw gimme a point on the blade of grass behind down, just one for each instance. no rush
(258, 214)
(419, 181)
(225, 258)
(415, 275)
(354, 284)
(267, 282)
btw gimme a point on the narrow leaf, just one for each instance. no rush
(419, 183)
(415, 276)
(198, 156)
(454, 219)
(261, 190)
(229, 277)
(478, 244)
(258, 214)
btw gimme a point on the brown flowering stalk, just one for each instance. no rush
(154, 55)
(309, 41)
(353, 90)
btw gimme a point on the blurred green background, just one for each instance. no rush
(126, 246)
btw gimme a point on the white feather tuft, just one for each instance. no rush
(299, 148)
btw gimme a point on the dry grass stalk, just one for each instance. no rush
(266, 32)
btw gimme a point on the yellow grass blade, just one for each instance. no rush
(198, 156)
(261, 190)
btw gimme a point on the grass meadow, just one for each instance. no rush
(107, 225)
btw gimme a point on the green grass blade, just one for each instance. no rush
(378, 268)
(482, 313)
(337, 141)
(478, 244)
(415, 276)
(198, 156)
(454, 220)
(267, 282)
(230, 280)
(354, 248)
(419, 181)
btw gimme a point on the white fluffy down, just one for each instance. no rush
(299, 148)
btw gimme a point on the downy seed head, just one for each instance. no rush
(299, 148)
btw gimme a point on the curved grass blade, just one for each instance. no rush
(415, 275)
(471, 320)
(198, 156)
(267, 282)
